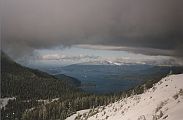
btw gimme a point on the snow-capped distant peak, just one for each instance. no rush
(117, 64)
(113, 63)
(101, 62)
(110, 62)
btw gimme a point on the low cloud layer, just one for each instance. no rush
(153, 27)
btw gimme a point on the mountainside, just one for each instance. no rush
(27, 83)
(163, 101)
(23, 88)
(29, 94)
(70, 80)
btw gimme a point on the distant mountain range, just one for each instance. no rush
(130, 62)
(110, 62)
(101, 62)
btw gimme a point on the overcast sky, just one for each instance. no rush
(150, 27)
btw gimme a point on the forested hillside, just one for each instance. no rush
(27, 83)
(29, 86)
(40, 96)
(35, 92)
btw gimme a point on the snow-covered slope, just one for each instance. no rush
(164, 101)
(4, 101)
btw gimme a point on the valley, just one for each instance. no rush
(102, 79)
(29, 94)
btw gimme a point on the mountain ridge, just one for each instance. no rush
(17, 76)
(163, 101)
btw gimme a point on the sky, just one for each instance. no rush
(152, 28)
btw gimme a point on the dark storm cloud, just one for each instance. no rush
(143, 26)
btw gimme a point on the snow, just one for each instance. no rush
(77, 113)
(48, 101)
(4, 101)
(164, 101)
